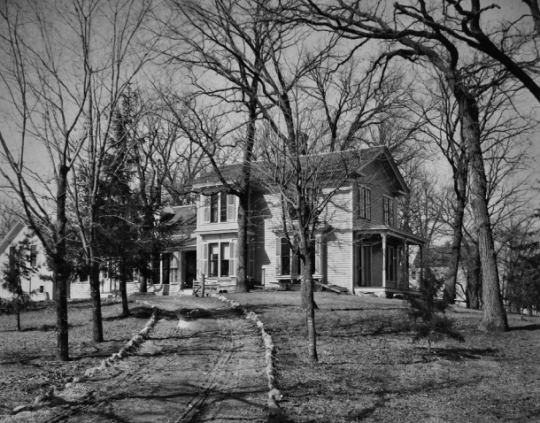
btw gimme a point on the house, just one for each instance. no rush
(176, 269)
(360, 246)
(40, 283)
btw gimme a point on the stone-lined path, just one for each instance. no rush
(202, 363)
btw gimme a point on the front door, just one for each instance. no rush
(191, 268)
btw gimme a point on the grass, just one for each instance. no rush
(28, 364)
(369, 370)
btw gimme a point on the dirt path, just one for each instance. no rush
(203, 362)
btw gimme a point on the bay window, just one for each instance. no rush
(219, 259)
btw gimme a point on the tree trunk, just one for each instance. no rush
(494, 314)
(242, 253)
(60, 269)
(474, 282)
(308, 302)
(243, 198)
(18, 312)
(95, 295)
(123, 291)
(460, 188)
(143, 279)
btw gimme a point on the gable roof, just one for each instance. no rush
(351, 161)
(11, 235)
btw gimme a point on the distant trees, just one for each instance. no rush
(521, 256)
(420, 39)
(64, 66)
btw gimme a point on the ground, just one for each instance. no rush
(204, 362)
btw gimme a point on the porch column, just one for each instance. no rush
(421, 270)
(383, 260)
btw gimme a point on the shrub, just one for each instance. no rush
(426, 313)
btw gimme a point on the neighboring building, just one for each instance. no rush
(359, 244)
(40, 283)
(175, 271)
(437, 258)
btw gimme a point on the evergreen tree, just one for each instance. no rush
(427, 312)
(18, 268)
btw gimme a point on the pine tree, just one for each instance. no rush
(14, 272)
(426, 312)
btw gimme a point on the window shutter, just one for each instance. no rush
(278, 256)
(385, 211)
(204, 261)
(231, 208)
(362, 202)
(368, 204)
(205, 200)
(356, 200)
(232, 259)
(391, 212)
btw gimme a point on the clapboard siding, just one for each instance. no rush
(380, 185)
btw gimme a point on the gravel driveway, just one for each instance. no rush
(203, 362)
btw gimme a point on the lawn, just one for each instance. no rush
(370, 371)
(28, 366)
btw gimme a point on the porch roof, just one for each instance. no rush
(395, 232)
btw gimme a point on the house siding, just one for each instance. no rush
(380, 185)
(338, 240)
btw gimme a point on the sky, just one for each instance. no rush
(37, 160)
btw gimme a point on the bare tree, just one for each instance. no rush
(63, 59)
(306, 187)
(419, 41)
(10, 213)
(113, 63)
(46, 98)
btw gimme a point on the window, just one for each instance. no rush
(219, 259)
(364, 206)
(33, 255)
(391, 264)
(224, 258)
(12, 255)
(173, 274)
(287, 263)
(213, 260)
(219, 208)
(388, 211)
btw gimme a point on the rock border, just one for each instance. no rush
(50, 399)
(274, 395)
(132, 345)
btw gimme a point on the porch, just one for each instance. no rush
(381, 260)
